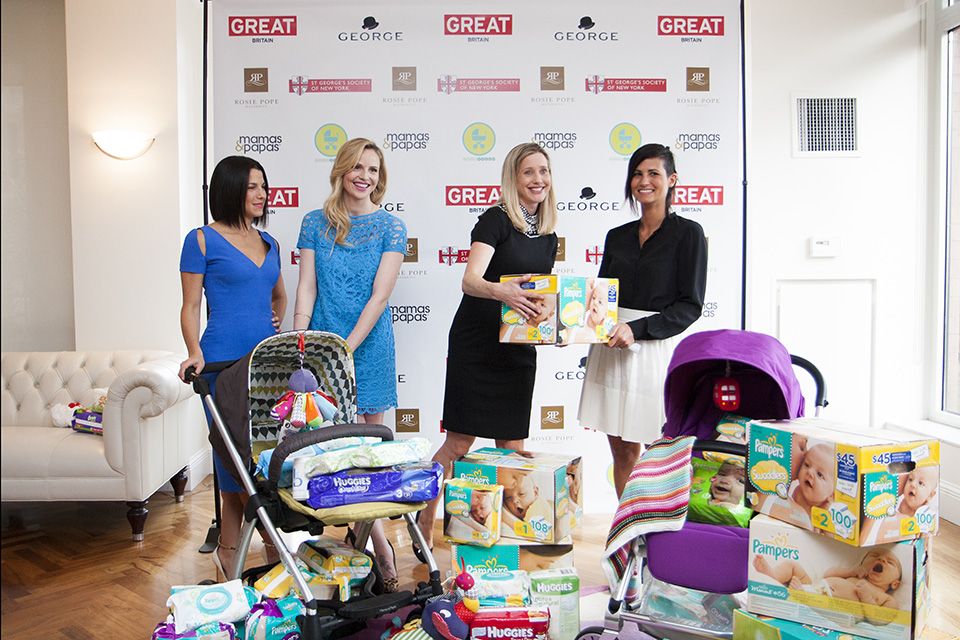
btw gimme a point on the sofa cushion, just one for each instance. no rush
(52, 452)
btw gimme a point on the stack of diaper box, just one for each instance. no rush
(842, 541)
(509, 512)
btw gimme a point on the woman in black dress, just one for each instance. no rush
(489, 385)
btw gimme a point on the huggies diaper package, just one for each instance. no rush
(496, 623)
(879, 592)
(559, 591)
(863, 486)
(411, 482)
(471, 512)
(573, 310)
(537, 497)
(716, 492)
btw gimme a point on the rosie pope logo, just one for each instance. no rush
(263, 25)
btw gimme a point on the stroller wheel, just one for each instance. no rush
(595, 633)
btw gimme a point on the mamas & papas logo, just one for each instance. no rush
(697, 142)
(405, 141)
(408, 420)
(553, 140)
(258, 144)
(410, 313)
(551, 417)
(263, 25)
(477, 24)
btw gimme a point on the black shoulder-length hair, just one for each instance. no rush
(647, 151)
(228, 190)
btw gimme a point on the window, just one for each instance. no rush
(946, 57)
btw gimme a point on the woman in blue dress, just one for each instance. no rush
(237, 267)
(351, 251)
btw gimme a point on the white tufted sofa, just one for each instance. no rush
(147, 436)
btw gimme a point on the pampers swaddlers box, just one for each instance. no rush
(878, 592)
(471, 512)
(863, 486)
(537, 504)
(574, 310)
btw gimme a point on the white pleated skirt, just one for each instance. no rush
(623, 390)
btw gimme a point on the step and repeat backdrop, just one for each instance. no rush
(447, 89)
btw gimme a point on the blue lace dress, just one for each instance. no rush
(345, 275)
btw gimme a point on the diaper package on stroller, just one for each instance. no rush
(243, 427)
(693, 561)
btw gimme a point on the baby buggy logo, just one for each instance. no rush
(329, 138)
(625, 138)
(479, 139)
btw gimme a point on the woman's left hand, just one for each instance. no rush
(621, 337)
(276, 323)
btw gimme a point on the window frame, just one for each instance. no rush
(941, 20)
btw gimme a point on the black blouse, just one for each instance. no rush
(667, 276)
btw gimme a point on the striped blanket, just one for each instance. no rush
(654, 499)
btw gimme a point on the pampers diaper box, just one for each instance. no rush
(880, 592)
(471, 512)
(538, 503)
(573, 310)
(859, 485)
(515, 555)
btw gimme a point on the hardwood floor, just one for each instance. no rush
(70, 570)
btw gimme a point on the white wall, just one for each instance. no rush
(36, 272)
(124, 64)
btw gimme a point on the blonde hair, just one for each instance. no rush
(510, 196)
(338, 218)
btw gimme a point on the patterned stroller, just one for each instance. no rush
(245, 427)
(666, 562)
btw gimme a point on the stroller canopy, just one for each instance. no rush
(769, 389)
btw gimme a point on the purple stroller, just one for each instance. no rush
(668, 559)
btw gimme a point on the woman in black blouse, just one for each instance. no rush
(661, 262)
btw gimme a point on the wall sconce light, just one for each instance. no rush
(123, 144)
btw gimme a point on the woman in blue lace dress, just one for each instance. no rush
(350, 256)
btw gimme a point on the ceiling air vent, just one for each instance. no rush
(825, 127)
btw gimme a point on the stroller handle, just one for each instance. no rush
(201, 386)
(298, 441)
(809, 367)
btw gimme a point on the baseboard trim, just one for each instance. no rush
(199, 467)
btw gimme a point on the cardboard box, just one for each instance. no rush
(574, 310)
(471, 512)
(536, 497)
(747, 626)
(512, 556)
(881, 592)
(863, 486)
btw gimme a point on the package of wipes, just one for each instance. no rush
(195, 606)
(471, 512)
(559, 591)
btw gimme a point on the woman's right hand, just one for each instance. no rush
(523, 301)
(192, 361)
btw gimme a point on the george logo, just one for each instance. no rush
(625, 139)
(408, 420)
(479, 139)
(412, 252)
(595, 84)
(284, 197)
(551, 79)
(263, 25)
(405, 141)
(477, 25)
(404, 78)
(690, 25)
(369, 33)
(303, 84)
(329, 138)
(256, 80)
(698, 78)
(585, 33)
(594, 255)
(687, 195)
(449, 84)
(551, 417)
(697, 142)
(553, 140)
(258, 144)
(452, 255)
(587, 203)
(561, 249)
(477, 195)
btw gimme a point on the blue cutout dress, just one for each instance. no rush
(239, 294)
(345, 275)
